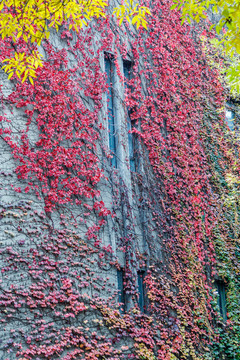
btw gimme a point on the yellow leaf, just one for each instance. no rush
(10, 75)
(25, 76)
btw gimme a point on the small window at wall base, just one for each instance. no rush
(109, 69)
(222, 305)
(141, 291)
(229, 116)
(121, 292)
(132, 138)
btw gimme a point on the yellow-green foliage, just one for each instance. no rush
(134, 14)
(227, 28)
(32, 19)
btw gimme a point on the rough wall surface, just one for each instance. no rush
(82, 233)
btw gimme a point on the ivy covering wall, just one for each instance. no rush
(71, 224)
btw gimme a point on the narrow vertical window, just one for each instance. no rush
(222, 305)
(141, 291)
(109, 69)
(121, 292)
(229, 117)
(127, 66)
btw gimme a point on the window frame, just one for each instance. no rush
(132, 138)
(141, 289)
(222, 299)
(121, 291)
(230, 121)
(109, 68)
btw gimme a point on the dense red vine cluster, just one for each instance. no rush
(58, 299)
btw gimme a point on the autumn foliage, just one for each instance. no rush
(58, 298)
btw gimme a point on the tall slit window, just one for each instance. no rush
(229, 116)
(109, 69)
(127, 67)
(222, 305)
(121, 292)
(141, 291)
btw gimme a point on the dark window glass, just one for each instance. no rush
(141, 291)
(109, 68)
(127, 67)
(221, 289)
(121, 292)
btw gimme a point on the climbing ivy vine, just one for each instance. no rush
(59, 297)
